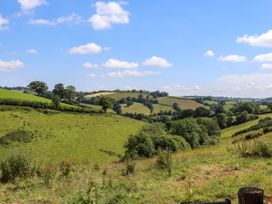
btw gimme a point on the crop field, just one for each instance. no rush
(182, 103)
(56, 136)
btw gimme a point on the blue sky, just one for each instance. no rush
(188, 47)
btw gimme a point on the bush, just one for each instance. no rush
(15, 167)
(165, 161)
(130, 168)
(16, 136)
(65, 168)
(257, 149)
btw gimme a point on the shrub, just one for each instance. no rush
(16, 136)
(65, 168)
(15, 167)
(130, 168)
(164, 161)
(262, 149)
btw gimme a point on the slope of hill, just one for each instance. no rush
(135, 108)
(182, 103)
(117, 95)
(19, 95)
(210, 173)
(57, 136)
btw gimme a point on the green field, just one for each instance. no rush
(19, 95)
(61, 136)
(136, 108)
(160, 107)
(182, 103)
(206, 174)
(117, 95)
(229, 104)
(210, 102)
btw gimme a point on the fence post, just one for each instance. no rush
(251, 195)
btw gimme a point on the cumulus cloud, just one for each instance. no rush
(130, 73)
(4, 22)
(108, 14)
(119, 64)
(266, 66)
(90, 48)
(209, 53)
(89, 65)
(12, 65)
(263, 57)
(157, 62)
(263, 40)
(27, 5)
(32, 51)
(72, 19)
(233, 58)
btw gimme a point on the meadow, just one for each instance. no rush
(206, 174)
(182, 102)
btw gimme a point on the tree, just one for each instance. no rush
(222, 120)
(56, 101)
(105, 102)
(70, 93)
(117, 108)
(59, 90)
(38, 86)
(176, 107)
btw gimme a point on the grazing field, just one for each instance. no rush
(182, 103)
(210, 102)
(136, 108)
(160, 107)
(229, 104)
(57, 136)
(210, 173)
(19, 95)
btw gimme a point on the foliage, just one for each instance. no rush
(65, 168)
(15, 167)
(38, 86)
(165, 161)
(105, 102)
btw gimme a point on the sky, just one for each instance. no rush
(184, 47)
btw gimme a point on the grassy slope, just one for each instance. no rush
(19, 95)
(117, 95)
(99, 94)
(136, 108)
(206, 174)
(159, 107)
(78, 137)
(183, 103)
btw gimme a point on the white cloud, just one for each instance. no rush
(72, 19)
(115, 63)
(263, 57)
(266, 66)
(27, 5)
(90, 48)
(263, 40)
(130, 73)
(156, 62)
(13, 65)
(183, 90)
(32, 51)
(108, 14)
(233, 58)
(4, 22)
(89, 65)
(209, 53)
(92, 75)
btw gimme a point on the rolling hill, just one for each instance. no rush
(58, 136)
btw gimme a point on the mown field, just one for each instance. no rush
(117, 95)
(59, 136)
(182, 102)
(206, 174)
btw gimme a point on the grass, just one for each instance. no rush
(136, 108)
(183, 103)
(229, 104)
(206, 174)
(117, 95)
(210, 102)
(19, 95)
(160, 107)
(203, 175)
(58, 136)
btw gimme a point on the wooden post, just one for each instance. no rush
(251, 195)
